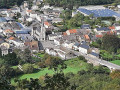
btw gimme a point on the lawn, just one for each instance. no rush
(40, 55)
(116, 62)
(73, 65)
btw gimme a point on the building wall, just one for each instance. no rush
(82, 50)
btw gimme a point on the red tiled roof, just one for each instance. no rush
(47, 23)
(11, 38)
(64, 33)
(86, 37)
(112, 27)
(9, 31)
(99, 36)
(73, 31)
(29, 11)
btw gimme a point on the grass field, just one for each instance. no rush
(116, 62)
(73, 65)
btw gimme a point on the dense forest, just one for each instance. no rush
(9, 3)
(78, 2)
(64, 3)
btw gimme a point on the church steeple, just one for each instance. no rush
(43, 30)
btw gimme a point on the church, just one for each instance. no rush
(39, 31)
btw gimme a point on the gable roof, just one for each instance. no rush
(87, 37)
(94, 54)
(85, 26)
(84, 46)
(112, 27)
(8, 31)
(47, 23)
(99, 36)
(73, 31)
(64, 33)
(102, 28)
(29, 11)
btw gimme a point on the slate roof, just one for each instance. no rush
(103, 28)
(84, 46)
(85, 26)
(94, 54)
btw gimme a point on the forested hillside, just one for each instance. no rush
(9, 3)
(78, 2)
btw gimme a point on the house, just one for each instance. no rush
(87, 38)
(58, 41)
(118, 32)
(56, 13)
(15, 42)
(85, 26)
(47, 24)
(112, 28)
(4, 48)
(84, 48)
(76, 46)
(71, 31)
(117, 26)
(24, 37)
(101, 30)
(28, 12)
(33, 14)
(53, 36)
(32, 45)
(68, 44)
(34, 7)
(57, 20)
(65, 53)
(93, 54)
(98, 36)
(8, 32)
(51, 51)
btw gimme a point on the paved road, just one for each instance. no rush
(98, 60)
(95, 61)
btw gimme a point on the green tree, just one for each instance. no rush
(28, 68)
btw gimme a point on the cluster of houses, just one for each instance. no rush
(79, 40)
(42, 33)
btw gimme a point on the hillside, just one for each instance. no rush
(9, 3)
(79, 2)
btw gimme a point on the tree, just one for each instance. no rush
(6, 71)
(115, 74)
(28, 68)
(5, 83)
(11, 59)
(57, 81)
(110, 43)
(27, 55)
(32, 84)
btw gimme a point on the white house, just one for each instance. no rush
(51, 51)
(35, 7)
(84, 48)
(76, 46)
(33, 14)
(68, 44)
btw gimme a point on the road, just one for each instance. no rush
(93, 60)
(98, 61)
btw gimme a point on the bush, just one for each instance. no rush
(82, 58)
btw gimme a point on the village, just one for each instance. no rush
(34, 29)
(59, 45)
